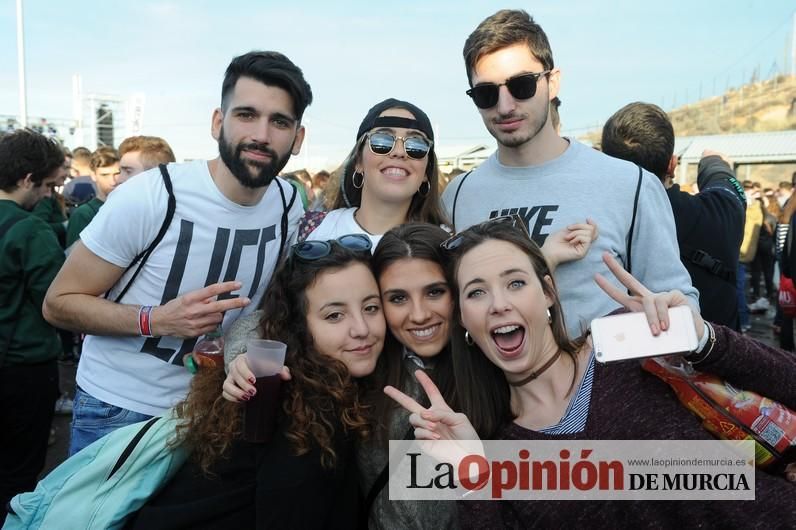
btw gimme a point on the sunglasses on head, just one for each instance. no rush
(453, 242)
(314, 250)
(382, 143)
(521, 86)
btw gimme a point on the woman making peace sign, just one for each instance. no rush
(519, 377)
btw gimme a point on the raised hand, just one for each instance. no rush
(570, 243)
(196, 313)
(654, 305)
(709, 152)
(444, 435)
(437, 422)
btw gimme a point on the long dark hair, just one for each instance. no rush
(423, 208)
(483, 392)
(408, 241)
(321, 392)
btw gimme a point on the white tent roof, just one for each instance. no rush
(746, 148)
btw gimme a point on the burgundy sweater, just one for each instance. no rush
(628, 403)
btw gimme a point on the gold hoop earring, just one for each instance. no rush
(428, 188)
(354, 180)
(467, 338)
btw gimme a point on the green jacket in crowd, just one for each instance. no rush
(30, 257)
(80, 219)
(49, 210)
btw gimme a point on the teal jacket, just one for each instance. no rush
(30, 257)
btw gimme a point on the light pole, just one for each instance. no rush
(793, 47)
(23, 105)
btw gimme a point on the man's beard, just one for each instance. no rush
(536, 124)
(536, 114)
(242, 170)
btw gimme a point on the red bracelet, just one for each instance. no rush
(144, 323)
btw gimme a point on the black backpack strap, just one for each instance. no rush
(131, 446)
(702, 259)
(141, 258)
(633, 223)
(456, 198)
(286, 206)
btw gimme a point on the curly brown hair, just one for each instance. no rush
(321, 395)
(211, 423)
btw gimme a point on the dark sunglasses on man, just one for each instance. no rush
(382, 143)
(522, 86)
(315, 250)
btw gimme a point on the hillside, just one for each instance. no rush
(756, 107)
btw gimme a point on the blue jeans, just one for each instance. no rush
(92, 419)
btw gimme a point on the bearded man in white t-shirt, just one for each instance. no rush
(211, 266)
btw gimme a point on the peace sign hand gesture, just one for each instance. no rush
(437, 422)
(655, 305)
(438, 425)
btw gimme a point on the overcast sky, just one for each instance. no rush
(356, 53)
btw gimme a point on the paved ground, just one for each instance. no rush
(761, 330)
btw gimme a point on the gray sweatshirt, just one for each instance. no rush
(581, 183)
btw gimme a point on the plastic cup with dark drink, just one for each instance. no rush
(265, 359)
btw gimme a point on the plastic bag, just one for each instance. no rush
(730, 413)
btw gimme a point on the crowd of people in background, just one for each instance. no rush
(119, 260)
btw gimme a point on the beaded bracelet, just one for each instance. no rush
(144, 322)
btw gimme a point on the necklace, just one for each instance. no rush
(537, 373)
(360, 224)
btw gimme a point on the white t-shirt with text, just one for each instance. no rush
(210, 239)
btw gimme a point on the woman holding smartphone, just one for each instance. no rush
(519, 377)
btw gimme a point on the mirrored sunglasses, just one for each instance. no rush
(382, 143)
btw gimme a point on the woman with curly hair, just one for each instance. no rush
(324, 304)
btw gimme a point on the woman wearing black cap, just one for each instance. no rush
(389, 178)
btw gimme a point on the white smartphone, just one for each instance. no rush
(628, 336)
